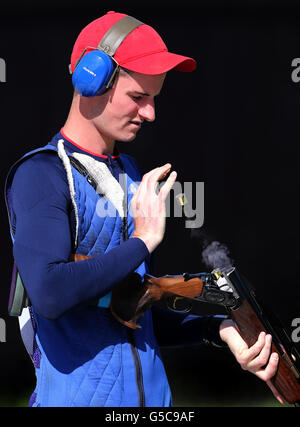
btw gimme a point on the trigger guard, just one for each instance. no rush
(173, 304)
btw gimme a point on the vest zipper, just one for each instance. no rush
(130, 334)
(138, 368)
(125, 228)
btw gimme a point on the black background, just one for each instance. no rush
(233, 124)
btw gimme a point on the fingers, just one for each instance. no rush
(165, 189)
(146, 193)
(151, 179)
(267, 372)
(258, 354)
(148, 207)
(156, 174)
(259, 360)
(265, 365)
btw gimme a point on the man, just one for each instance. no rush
(74, 196)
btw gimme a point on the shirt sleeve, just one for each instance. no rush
(43, 243)
(174, 329)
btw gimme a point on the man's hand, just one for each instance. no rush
(148, 206)
(257, 358)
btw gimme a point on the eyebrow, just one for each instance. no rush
(144, 93)
(141, 93)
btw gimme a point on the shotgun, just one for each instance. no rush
(223, 287)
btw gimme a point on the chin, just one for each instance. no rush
(128, 138)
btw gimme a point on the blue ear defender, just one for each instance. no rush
(94, 73)
(96, 70)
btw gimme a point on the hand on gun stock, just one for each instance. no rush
(257, 358)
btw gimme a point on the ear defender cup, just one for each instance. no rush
(93, 73)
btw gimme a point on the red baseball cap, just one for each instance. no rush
(142, 51)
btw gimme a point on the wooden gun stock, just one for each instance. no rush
(133, 296)
(286, 379)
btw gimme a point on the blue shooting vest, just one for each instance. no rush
(87, 358)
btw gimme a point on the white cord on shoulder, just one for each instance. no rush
(67, 165)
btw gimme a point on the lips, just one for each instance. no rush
(136, 123)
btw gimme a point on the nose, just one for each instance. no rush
(147, 111)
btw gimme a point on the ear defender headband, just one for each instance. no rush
(95, 72)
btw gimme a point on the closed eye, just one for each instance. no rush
(136, 97)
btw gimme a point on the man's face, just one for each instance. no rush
(120, 112)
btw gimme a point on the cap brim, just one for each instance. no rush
(159, 63)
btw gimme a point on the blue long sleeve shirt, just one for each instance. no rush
(43, 243)
(43, 239)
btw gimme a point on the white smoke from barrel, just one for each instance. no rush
(216, 255)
